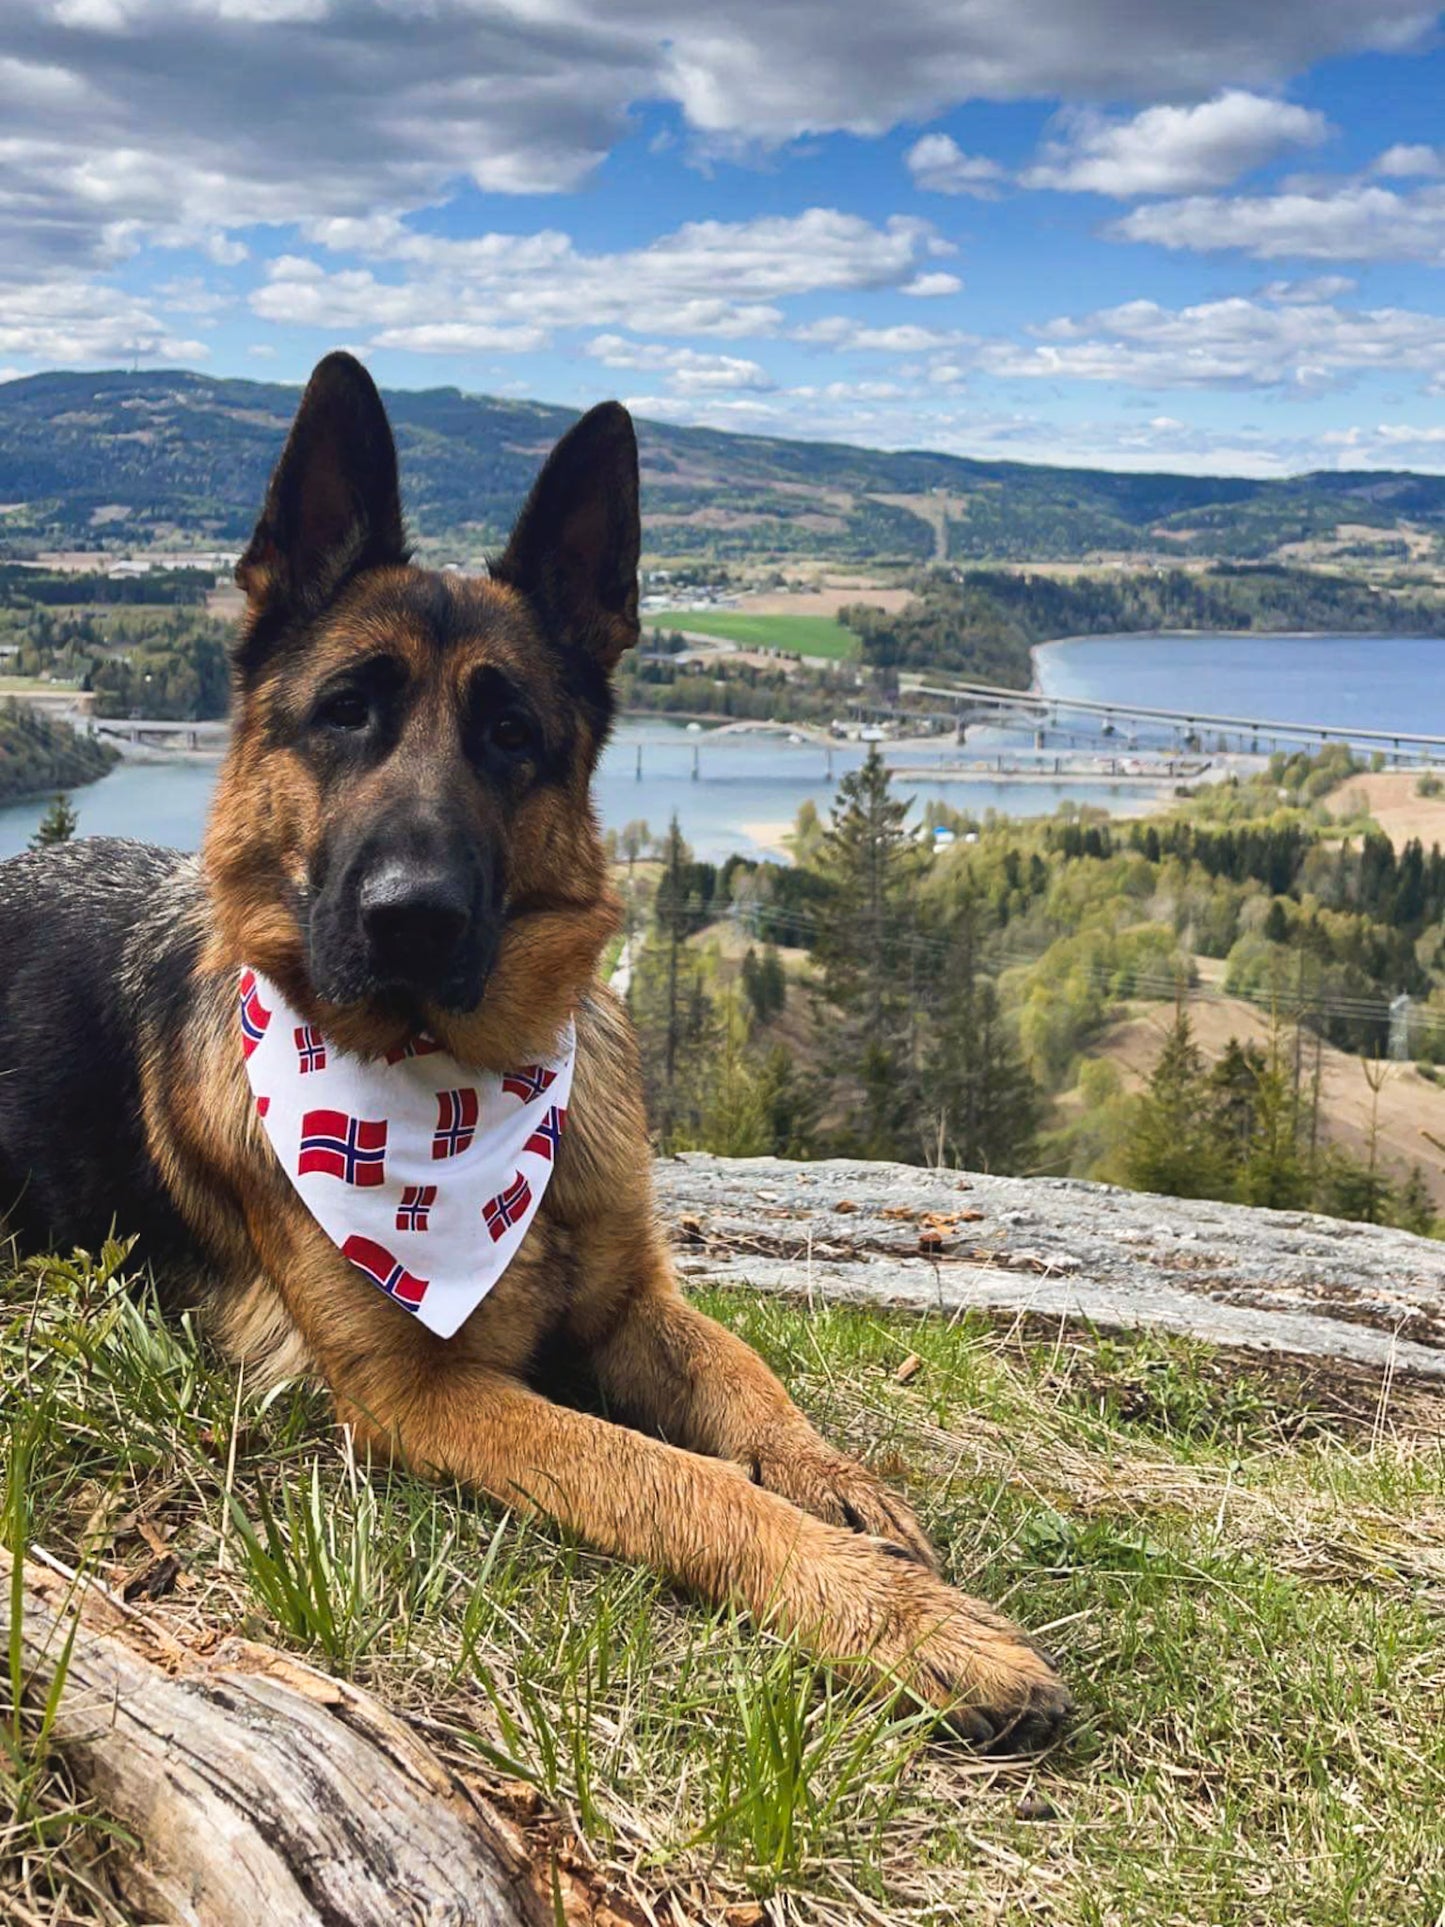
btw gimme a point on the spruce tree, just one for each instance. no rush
(1414, 1206)
(1172, 1147)
(979, 1107)
(58, 825)
(865, 952)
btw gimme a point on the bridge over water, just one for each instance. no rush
(981, 701)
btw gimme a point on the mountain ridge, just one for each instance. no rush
(117, 457)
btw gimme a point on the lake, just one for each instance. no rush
(749, 788)
(747, 792)
(1370, 682)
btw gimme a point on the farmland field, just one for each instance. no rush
(798, 635)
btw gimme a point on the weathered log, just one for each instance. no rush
(259, 1789)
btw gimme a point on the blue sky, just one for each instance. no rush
(1125, 233)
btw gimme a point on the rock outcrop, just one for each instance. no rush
(892, 1234)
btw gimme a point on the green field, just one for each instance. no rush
(798, 635)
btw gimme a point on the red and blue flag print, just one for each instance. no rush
(548, 1134)
(254, 1014)
(385, 1270)
(504, 1210)
(310, 1049)
(419, 1046)
(457, 1113)
(529, 1082)
(414, 1211)
(350, 1148)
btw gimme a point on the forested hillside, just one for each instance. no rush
(881, 998)
(984, 622)
(161, 456)
(37, 754)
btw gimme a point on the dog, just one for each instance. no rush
(403, 845)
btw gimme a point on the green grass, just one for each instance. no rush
(796, 635)
(1242, 1571)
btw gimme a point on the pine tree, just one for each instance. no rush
(764, 983)
(1414, 1206)
(58, 825)
(671, 1009)
(979, 1106)
(865, 952)
(1273, 1170)
(1172, 1147)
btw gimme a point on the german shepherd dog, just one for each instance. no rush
(403, 838)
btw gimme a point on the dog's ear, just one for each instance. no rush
(574, 550)
(334, 505)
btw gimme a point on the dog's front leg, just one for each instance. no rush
(448, 1408)
(854, 1600)
(673, 1370)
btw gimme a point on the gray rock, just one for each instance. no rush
(892, 1234)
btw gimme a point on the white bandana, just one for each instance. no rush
(424, 1174)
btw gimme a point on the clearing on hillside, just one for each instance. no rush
(795, 635)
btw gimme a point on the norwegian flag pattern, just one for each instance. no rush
(310, 1049)
(254, 1014)
(384, 1270)
(457, 1113)
(503, 1211)
(548, 1134)
(414, 1211)
(423, 1172)
(418, 1046)
(350, 1148)
(529, 1082)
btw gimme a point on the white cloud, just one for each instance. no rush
(68, 320)
(938, 164)
(896, 415)
(1172, 150)
(1235, 343)
(509, 292)
(1354, 221)
(128, 122)
(1319, 287)
(1386, 445)
(902, 338)
(689, 370)
(1409, 160)
(928, 286)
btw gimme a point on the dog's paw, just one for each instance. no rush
(841, 1492)
(991, 1685)
(901, 1626)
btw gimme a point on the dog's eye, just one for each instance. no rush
(510, 733)
(348, 709)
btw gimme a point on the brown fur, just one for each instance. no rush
(723, 1483)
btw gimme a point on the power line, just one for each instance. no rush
(1143, 982)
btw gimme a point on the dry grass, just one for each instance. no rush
(1241, 1565)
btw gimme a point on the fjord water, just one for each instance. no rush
(747, 787)
(747, 791)
(1342, 682)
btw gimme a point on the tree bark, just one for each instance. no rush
(259, 1790)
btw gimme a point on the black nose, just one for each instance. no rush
(414, 919)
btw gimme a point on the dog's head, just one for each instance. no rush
(403, 835)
